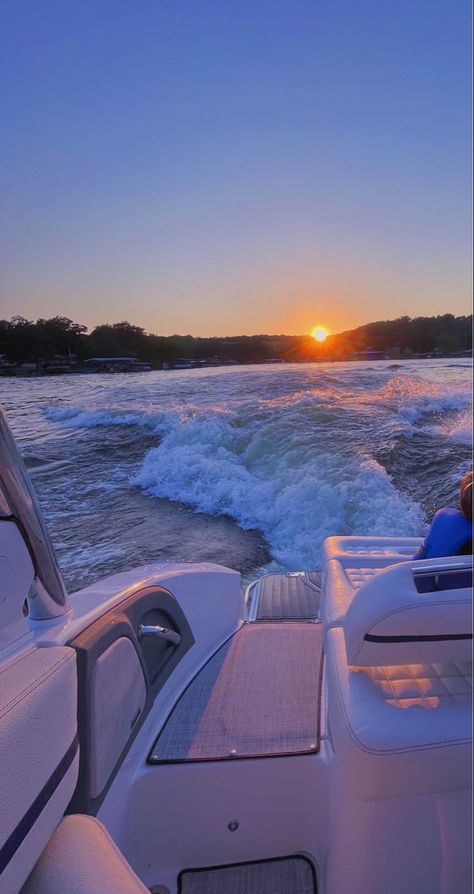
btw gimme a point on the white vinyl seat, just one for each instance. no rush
(81, 858)
(342, 580)
(398, 674)
(400, 686)
(395, 549)
(399, 730)
(337, 593)
(39, 755)
(350, 562)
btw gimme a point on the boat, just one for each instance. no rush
(183, 363)
(164, 731)
(115, 365)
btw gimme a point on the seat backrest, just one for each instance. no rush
(81, 858)
(412, 613)
(38, 754)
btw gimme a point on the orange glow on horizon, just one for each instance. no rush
(320, 333)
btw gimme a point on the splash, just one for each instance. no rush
(289, 453)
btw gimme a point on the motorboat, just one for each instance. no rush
(164, 730)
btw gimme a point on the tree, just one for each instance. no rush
(21, 341)
(58, 336)
(118, 340)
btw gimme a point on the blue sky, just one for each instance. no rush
(225, 166)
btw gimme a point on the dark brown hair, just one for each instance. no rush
(465, 498)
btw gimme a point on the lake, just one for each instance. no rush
(251, 467)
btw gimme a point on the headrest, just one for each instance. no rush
(412, 613)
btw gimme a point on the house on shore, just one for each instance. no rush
(115, 365)
(203, 363)
(369, 354)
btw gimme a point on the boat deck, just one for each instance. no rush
(258, 696)
(290, 874)
(289, 596)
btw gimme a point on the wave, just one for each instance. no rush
(289, 454)
(294, 495)
(414, 398)
(78, 417)
(457, 429)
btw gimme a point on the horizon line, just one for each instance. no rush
(90, 329)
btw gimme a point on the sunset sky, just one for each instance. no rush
(220, 167)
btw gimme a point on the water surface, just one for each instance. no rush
(251, 467)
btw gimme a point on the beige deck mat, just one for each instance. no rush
(258, 696)
(292, 875)
(289, 596)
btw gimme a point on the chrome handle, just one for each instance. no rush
(162, 632)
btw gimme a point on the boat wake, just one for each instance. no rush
(296, 454)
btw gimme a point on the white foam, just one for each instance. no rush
(294, 495)
(413, 397)
(288, 454)
(461, 431)
(78, 417)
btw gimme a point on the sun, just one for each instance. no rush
(320, 333)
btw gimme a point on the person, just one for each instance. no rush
(450, 533)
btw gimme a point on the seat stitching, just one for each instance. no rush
(16, 700)
(391, 685)
(436, 676)
(378, 751)
(418, 685)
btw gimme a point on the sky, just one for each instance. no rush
(223, 167)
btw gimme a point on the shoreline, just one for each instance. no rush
(20, 373)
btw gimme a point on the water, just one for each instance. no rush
(251, 467)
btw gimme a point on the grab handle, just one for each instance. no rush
(162, 632)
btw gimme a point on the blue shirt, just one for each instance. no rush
(450, 531)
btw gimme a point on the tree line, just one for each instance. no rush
(46, 340)
(444, 334)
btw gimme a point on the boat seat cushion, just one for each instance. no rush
(362, 549)
(81, 858)
(350, 562)
(399, 730)
(395, 618)
(39, 755)
(341, 585)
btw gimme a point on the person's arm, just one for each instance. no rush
(423, 550)
(419, 552)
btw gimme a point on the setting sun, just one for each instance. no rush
(320, 333)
